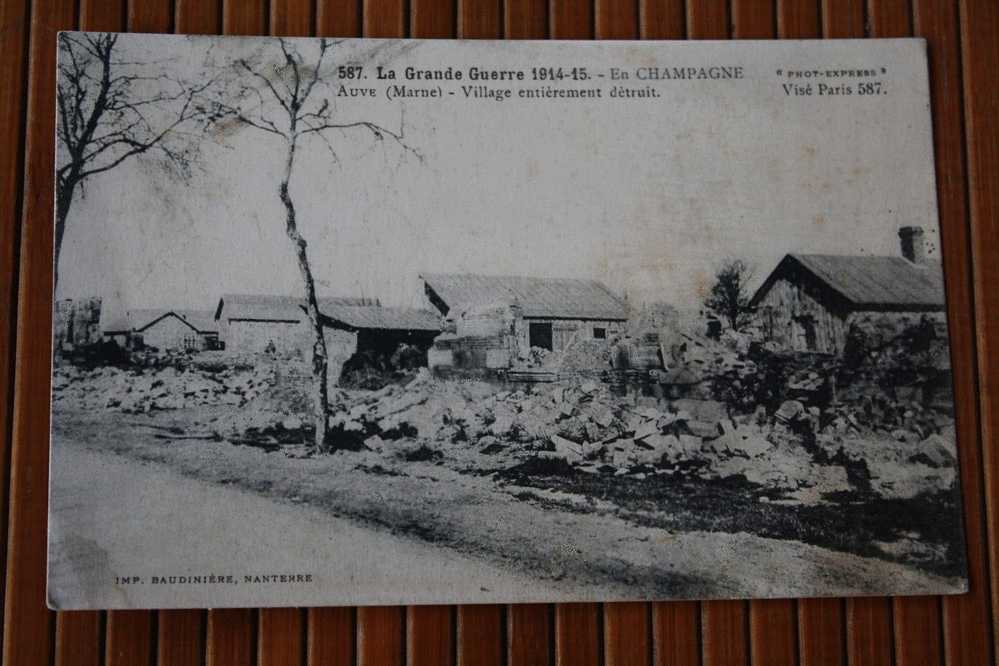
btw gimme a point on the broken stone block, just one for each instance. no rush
(646, 429)
(702, 410)
(791, 411)
(567, 449)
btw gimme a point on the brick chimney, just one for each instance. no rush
(913, 246)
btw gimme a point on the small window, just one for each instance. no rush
(599, 333)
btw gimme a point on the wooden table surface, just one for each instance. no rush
(964, 70)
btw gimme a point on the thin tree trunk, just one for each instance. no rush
(320, 363)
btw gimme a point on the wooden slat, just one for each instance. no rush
(868, 631)
(28, 625)
(676, 633)
(180, 637)
(432, 18)
(231, 633)
(480, 629)
(571, 19)
(480, 19)
(331, 638)
(773, 635)
(577, 634)
(616, 19)
(281, 631)
(525, 19)
(430, 636)
(724, 632)
(842, 19)
(230, 637)
(150, 16)
(821, 622)
(754, 19)
(79, 639)
(821, 632)
(291, 18)
(384, 18)
(869, 621)
(675, 625)
(182, 633)
(381, 631)
(111, 16)
(338, 18)
(707, 19)
(917, 631)
(244, 17)
(627, 635)
(724, 635)
(529, 634)
(889, 18)
(798, 19)
(281, 637)
(627, 626)
(917, 621)
(966, 629)
(380, 638)
(129, 638)
(197, 17)
(980, 59)
(14, 27)
(662, 19)
(430, 632)
(480, 635)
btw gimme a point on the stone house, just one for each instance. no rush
(163, 329)
(257, 322)
(489, 319)
(810, 301)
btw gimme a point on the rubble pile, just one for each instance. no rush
(168, 387)
(590, 430)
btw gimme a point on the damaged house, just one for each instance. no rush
(492, 319)
(810, 301)
(163, 329)
(352, 326)
(257, 323)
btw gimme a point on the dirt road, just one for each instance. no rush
(106, 522)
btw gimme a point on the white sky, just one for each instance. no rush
(648, 196)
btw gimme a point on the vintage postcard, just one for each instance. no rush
(390, 321)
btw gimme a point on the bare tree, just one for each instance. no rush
(109, 110)
(728, 297)
(280, 99)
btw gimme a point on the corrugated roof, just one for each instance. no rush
(366, 316)
(873, 282)
(278, 308)
(563, 298)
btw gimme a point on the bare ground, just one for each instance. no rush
(410, 531)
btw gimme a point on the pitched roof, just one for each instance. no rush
(871, 281)
(267, 307)
(561, 298)
(368, 316)
(139, 319)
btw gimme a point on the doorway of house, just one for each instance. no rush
(540, 335)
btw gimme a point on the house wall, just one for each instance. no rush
(241, 335)
(171, 333)
(564, 331)
(789, 310)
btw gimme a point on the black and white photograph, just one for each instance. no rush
(366, 321)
